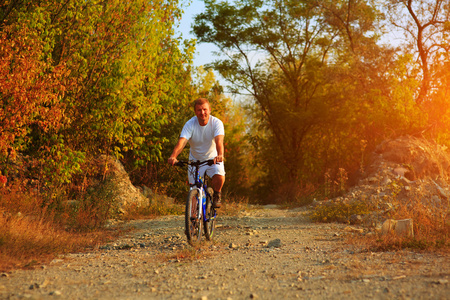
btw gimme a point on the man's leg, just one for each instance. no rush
(217, 184)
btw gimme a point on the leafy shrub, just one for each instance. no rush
(338, 211)
(94, 207)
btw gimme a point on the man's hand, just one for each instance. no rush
(172, 161)
(218, 158)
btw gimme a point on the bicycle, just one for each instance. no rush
(199, 205)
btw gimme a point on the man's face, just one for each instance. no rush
(202, 112)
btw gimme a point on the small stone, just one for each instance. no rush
(55, 293)
(232, 246)
(276, 243)
(353, 229)
(441, 281)
(356, 219)
(372, 179)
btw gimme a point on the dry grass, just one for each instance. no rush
(431, 230)
(30, 234)
(156, 208)
(27, 241)
(231, 206)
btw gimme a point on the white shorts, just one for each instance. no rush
(217, 169)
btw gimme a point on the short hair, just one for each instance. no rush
(201, 101)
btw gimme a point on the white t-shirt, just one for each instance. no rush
(201, 138)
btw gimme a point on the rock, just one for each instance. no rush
(404, 181)
(400, 171)
(353, 229)
(276, 243)
(441, 281)
(443, 193)
(146, 191)
(372, 179)
(232, 246)
(386, 181)
(399, 227)
(55, 293)
(356, 219)
(125, 192)
(271, 206)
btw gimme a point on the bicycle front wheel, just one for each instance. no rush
(192, 219)
(209, 223)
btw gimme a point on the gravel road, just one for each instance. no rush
(260, 254)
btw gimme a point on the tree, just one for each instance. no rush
(108, 77)
(426, 25)
(304, 63)
(28, 89)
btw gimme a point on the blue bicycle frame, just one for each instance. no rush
(202, 213)
(202, 189)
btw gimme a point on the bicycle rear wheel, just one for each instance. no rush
(192, 220)
(209, 224)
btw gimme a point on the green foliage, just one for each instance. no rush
(338, 211)
(84, 78)
(320, 80)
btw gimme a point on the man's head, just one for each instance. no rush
(202, 110)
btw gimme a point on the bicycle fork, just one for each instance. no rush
(200, 204)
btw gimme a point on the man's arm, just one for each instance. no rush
(177, 150)
(220, 149)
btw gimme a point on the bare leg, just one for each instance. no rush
(217, 182)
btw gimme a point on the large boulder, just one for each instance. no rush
(399, 227)
(125, 193)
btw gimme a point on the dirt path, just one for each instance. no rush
(262, 254)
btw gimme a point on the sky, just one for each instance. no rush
(203, 53)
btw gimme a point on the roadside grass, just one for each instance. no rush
(34, 230)
(233, 205)
(27, 241)
(152, 210)
(31, 233)
(431, 224)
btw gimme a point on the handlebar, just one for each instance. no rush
(195, 163)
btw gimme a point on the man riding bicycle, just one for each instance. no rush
(205, 134)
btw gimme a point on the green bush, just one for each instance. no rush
(338, 211)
